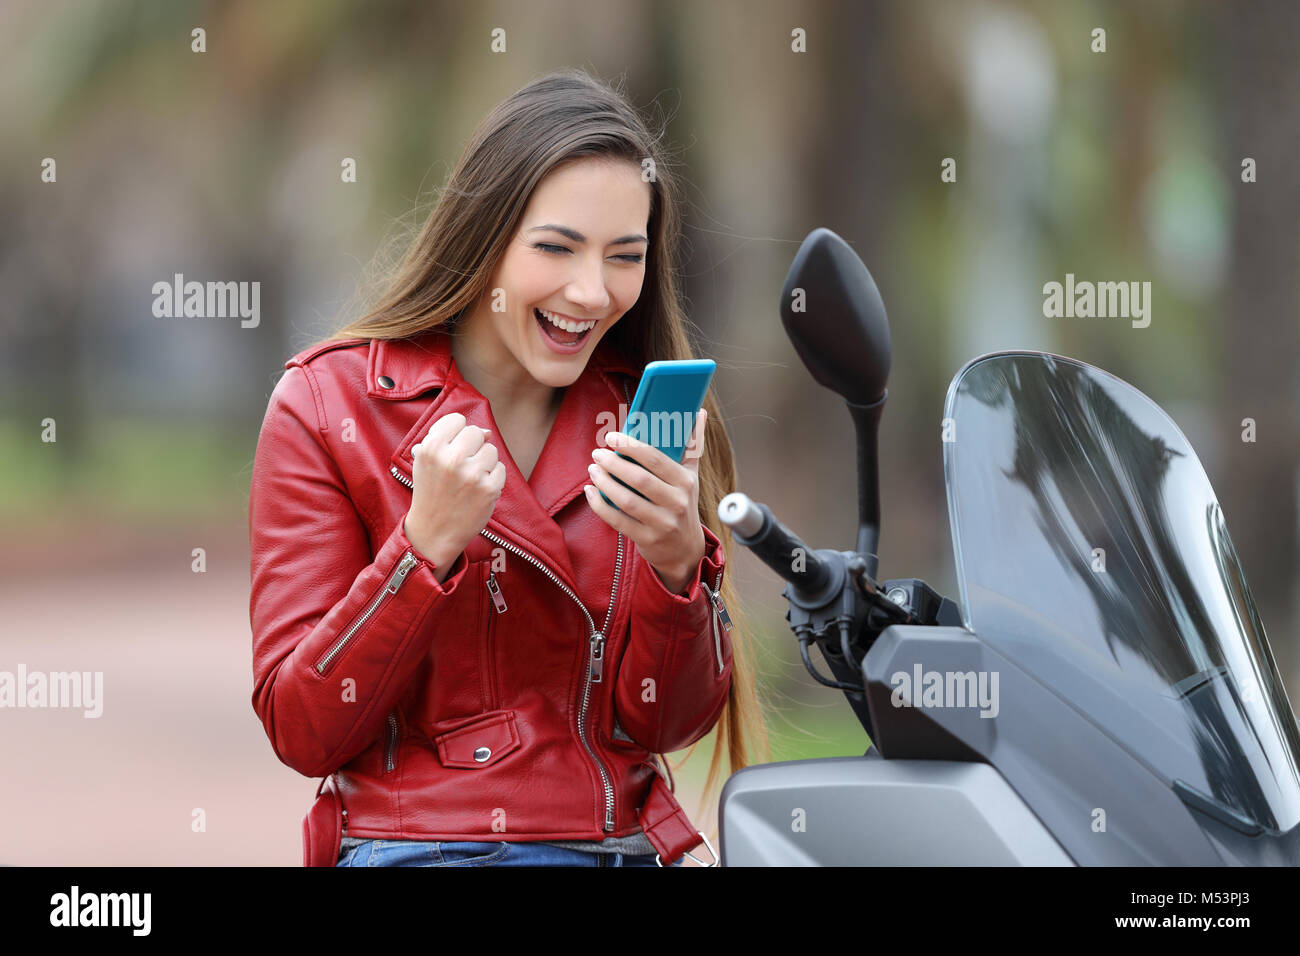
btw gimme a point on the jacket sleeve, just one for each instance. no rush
(675, 673)
(338, 633)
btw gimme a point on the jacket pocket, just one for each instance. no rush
(479, 742)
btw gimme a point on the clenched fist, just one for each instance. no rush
(458, 480)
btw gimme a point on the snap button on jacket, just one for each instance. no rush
(522, 698)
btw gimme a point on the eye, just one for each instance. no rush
(634, 258)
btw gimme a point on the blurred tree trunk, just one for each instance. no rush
(846, 167)
(854, 168)
(848, 164)
(1261, 109)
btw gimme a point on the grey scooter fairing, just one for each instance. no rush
(1137, 714)
(859, 811)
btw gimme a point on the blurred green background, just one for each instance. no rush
(1120, 165)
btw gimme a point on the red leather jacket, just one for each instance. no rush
(520, 699)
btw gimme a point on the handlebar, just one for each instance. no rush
(753, 525)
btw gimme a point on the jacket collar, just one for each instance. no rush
(524, 513)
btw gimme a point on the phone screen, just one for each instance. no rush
(666, 406)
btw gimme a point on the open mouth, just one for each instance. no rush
(562, 331)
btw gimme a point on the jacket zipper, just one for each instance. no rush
(390, 752)
(395, 581)
(596, 649)
(494, 589)
(595, 653)
(489, 679)
(719, 613)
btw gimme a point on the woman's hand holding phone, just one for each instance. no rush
(665, 524)
(458, 480)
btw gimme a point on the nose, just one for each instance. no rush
(587, 290)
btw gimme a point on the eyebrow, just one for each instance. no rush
(579, 237)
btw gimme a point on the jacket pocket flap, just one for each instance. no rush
(481, 743)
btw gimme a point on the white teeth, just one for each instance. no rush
(565, 323)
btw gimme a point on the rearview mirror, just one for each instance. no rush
(835, 318)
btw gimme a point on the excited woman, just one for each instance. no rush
(483, 659)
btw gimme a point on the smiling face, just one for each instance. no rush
(578, 257)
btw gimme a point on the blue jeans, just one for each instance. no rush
(417, 853)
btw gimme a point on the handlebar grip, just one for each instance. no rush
(753, 525)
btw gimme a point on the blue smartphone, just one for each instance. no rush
(665, 408)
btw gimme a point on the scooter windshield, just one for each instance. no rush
(1091, 551)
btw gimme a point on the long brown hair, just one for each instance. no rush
(559, 117)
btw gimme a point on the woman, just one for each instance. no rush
(482, 657)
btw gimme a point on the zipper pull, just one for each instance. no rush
(715, 596)
(345, 820)
(597, 656)
(403, 568)
(722, 613)
(494, 589)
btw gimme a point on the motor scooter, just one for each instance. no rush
(1099, 692)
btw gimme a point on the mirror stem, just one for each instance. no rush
(866, 425)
